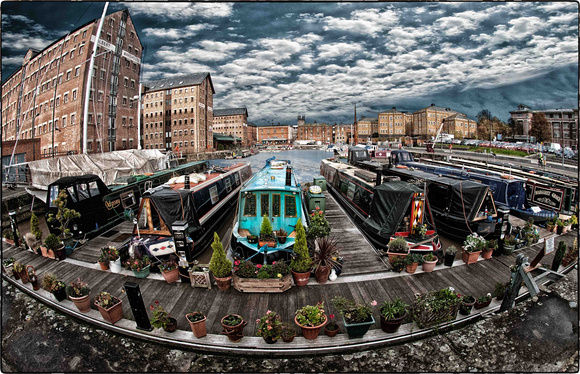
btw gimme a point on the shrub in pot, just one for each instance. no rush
(558, 256)
(450, 254)
(169, 270)
(233, 327)
(412, 261)
(467, 303)
(197, 323)
(325, 258)
(219, 265)
(397, 247)
(358, 317)
(141, 266)
(287, 332)
(52, 284)
(269, 327)
(8, 235)
(472, 247)
(64, 216)
(311, 319)
(104, 260)
(398, 264)
(111, 307)
(318, 227)
(483, 301)
(266, 233)
(53, 245)
(429, 262)
(78, 291)
(301, 263)
(162, 319)
(20, 269)
(500, 290)
(393, 314)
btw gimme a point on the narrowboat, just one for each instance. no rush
(460, 207)
(103, 206)
(508, 191)
(274, 193)
(382, 210)
(201, 201)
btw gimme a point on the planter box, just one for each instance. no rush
(357, 330)
(200, 278)
(470, 257)
(394, 255)
(263, 285)
(112, 314)
(425, 317)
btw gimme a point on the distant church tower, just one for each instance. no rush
(301, 120)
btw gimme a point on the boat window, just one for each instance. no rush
(82, 191)
(72, 193)
(438, 196)
(250, 205)
(213, 193)
(228, 185)
(264, 204)
(128, 199)
(53, 195)
(343, 187)
(237, 178)
(290, 206)
(276, 205)
(350, 193)
(94, 189)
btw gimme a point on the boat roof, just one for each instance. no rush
(272, 177)
(350, 170)
(197, 183)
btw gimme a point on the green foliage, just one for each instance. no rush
(219, 265)
(413, 258)
(232, 320)
(287, 331)
(7, 234)
(270, 325)
(35, 226)
(195, 316)
(393, 309)
(18, 266)
(266, 228)
(78, 288)
(302, 262)
(311, 315)
(559, 256)
(351, 311)
(52, 242)
(319, 226)
(435, 304)
(398, 264)
(48, 280)
(429, 257)
(500, 289)
(63, 215)
(540, 128)
(398, 245)
(326, 253)
(160, 316)
(451, 250)
(106, 300)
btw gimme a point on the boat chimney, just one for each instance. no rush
(288, 175)
(186, 182)
(379, 178)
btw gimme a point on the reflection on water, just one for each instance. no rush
(306, 162)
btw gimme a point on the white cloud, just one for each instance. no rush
(181, 10)
(367, 21)
(343, 50)
(461, 22)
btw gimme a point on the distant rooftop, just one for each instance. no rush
(179, 81)
(230, 112)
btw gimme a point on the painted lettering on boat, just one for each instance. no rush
(110, 205)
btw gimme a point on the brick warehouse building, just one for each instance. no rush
(178, 113)
(563, 123)
(234, 121)
(58, 75)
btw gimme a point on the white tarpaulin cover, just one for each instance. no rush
(108, 166)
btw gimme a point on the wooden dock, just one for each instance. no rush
(180, 298)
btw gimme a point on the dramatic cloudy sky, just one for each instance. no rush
(318, 59)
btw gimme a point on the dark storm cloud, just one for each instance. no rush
(284, 59)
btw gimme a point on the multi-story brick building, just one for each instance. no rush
(563, 122)
(367, 127)
(426, 122)
(275, 134)
(178, 113)
(234, 121)
(315, 132)
(44, 99)
(342, 133)
(460, 126)
(394, 123)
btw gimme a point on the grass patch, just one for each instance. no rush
(497, 151)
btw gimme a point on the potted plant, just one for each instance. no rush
(467, 303)
(7, 265)
(111, 307)
(560, 227)
(357, 317)
(573, 221)
(64, 216)
(140, 266)
(331, 328)
(78, 291)
(54, 247)
(483, 301)
(398, 264)
(450, 254)
(301, 263)
(282, 235)
(104, 260)
(248, 277)
(287, 332)
(57, 287)
(435, 307)
(266, 233)
(219, 265)
(558, 256)
(420, 231)
(551, 224)
(571, 254)
(412, 261)
(397, 247)
(233, 327)
(269, 327)
(197, 323)
(429, 262)
(114, 259)
(509, 244)
(318, 227)
(199, 275)
(490, 246)
(500, 290)
(20, 268)
(36, 231)
(472, 247)
(252, 239)
(169, 270)
(324, 259)
(32, 277)
(392, 314)
(311, 319)
(162, 319)
(8, 236)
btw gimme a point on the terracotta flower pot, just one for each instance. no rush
(428, 266)
(331, 333)
(83, 303)
(23, 276)
(198, 327)
(322, 273)
(288, 339)
(487, 254)
(391, 325)
(394, 255)
(311, 332)
(104, 265)
(479, 305)
(234, 333)
(171, 326)
(300, 279)
(412, 267)
(15, 274)
(465, 308)
(171, 275)
(224, 284)
(112, 314)
(470, 257)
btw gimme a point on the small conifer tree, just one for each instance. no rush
(559, 256)
(302, 263)
(35, 226)
(266, 229)
(219, 265)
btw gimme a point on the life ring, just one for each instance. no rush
(401, 167)
(315, 189)
(148, 174)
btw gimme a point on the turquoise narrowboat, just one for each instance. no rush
(272, 192)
